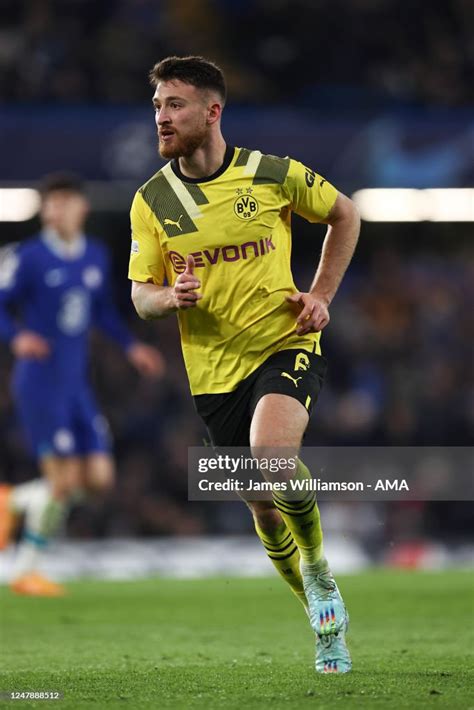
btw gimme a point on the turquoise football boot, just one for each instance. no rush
(332, 654)
(328, 617)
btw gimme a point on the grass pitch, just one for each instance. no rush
(240, 643)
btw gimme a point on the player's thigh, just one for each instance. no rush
(64, 474)
(285, 392)
(99, 471)
(278, 421)
(276, 432)
(47, 422)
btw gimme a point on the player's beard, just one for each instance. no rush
(183, 146)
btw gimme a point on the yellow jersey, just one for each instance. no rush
(237, 225)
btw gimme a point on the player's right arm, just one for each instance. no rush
(14, 284)
(151, 298)
(152, 301)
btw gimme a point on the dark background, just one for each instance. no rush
(368, 93)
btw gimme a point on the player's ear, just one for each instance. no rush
(214, 111)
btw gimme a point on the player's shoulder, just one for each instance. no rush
(24, 255)
(244, 155)
(147, 195)
(152, 181)
(265, 168)
(28, 249)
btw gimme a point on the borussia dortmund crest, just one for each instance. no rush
(246, 207)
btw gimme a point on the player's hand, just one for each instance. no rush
(30, 345)
(147, 360)
(184, 289)
(314, 314)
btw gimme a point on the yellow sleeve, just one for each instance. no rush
(146, 258)
(309, 194)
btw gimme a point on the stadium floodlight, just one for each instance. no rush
(413, 205)
(451, 204)
(18, 204)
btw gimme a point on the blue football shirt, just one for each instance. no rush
(59, 291)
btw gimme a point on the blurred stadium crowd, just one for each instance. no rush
(377, 50)
(399, 341)
(400, 374)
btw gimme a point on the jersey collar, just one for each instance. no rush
(228, 155)
(69, 251)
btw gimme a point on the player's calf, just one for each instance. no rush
(8, 517)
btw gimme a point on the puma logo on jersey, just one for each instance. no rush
(175, 224)
(293, 379)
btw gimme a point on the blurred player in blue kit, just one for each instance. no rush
(58, 284)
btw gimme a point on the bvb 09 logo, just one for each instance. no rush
(246, 207)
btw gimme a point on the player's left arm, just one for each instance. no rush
(147, 359)
(340, 241)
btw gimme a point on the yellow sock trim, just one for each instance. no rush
(303, 520)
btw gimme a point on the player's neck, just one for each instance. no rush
(206, 160)
(67, 250)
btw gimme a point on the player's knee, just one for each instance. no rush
(276, 463)
(100, 473)
(61, 489)
(264, 453)
(63, 474)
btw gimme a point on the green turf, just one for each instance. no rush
(240, 643)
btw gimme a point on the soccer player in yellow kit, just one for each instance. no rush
(211, 241)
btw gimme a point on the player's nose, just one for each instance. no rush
(162, 117)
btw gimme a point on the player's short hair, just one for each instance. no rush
(63, 181)
(197, 71)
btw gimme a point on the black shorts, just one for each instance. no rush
(296, 373)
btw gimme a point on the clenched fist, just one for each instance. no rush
(30, 345)
(184, 289)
